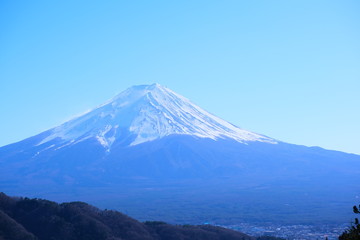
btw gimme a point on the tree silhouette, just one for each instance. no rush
(353, 233)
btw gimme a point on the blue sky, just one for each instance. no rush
(286, 69)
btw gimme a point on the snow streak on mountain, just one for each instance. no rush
(145, 113)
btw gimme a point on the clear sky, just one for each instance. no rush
(286, 69)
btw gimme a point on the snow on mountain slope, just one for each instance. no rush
(148, 112)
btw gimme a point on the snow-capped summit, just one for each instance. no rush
(146, 113)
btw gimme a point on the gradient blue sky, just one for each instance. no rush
(286, 69)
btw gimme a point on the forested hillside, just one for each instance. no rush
(38, 219)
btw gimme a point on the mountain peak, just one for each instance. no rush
(145, 113)
(139, 91)
(147, 87)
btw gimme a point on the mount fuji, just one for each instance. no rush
(150, 145)
(146, 113)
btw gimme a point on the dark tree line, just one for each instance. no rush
(38, 219)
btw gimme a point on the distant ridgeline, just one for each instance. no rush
(31, 219)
